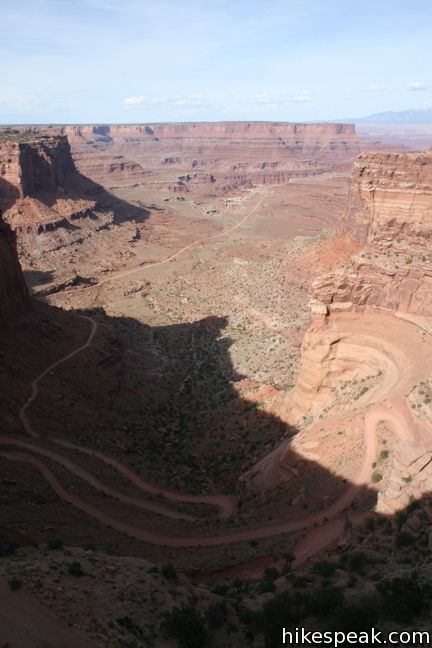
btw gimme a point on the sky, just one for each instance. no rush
(119, 61)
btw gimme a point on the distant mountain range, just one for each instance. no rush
(394, 117)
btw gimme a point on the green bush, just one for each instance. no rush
(216, 614)
(7, 547)
(324, 568)
(169, 572)
(356, 560)
(130, 626)
(15, 584)
(360, 616)
(404, 539)
(376, 477)
(270, 574)
(405, 598)
(187, 626)
(75, 569)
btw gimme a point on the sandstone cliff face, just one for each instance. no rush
(34, 173)
(13, 291)
(208, 129)
(31, 166)
(235, 155)
(390, 215)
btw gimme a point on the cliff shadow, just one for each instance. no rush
(164, 401)
(8, 194)
(168, 399)
(80, 187)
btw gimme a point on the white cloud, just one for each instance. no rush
(416, 85)
(17, 100)
(271, 101)
(129, 102)
(194, 101)
(375, 87)
(301, 98)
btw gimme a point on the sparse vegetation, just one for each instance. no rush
(15, 584)
(74, 568)
(376, 477)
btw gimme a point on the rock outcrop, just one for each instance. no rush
(40, 188)
(13, 291)
(390, 215)
(211, 158)
(32, 165)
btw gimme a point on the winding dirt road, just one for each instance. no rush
(131, 271)
(333, 511)
(35, 384)
(226, 504)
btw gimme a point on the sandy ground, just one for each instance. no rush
(25, 623)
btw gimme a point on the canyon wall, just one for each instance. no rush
(210, 157)
(208, 129)
(13, 291)
(40, 188)
(390, 214)
(39, 164)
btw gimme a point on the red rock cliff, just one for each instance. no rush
(390, 214)
(233, 155)
(35, 165)
(13, 290)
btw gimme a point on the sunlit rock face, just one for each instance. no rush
(210, 158)
(390, 213)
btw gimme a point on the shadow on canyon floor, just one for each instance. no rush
(79, 187)
(8, 194)
(163, 400)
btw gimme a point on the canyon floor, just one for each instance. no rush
(157, 441)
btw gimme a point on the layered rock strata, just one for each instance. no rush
(210, 158)
(390, 215)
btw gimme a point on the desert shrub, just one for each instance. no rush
(216, 614)
(169, 572)
(15, 584)
(267, 586)
(376, 476)
(283, 609)
(75, 569)
(131, 626)
(360, 616)
(324, 568)
(356, 560)
(325, 599)
(221, 590)
(404, 539)
(405, 598)
(187, 626)
(290, 608)
(7, 547)
(270, 574)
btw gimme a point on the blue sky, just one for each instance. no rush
(84, 61)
